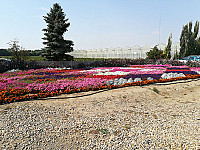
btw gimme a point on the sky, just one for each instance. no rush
(98, 24)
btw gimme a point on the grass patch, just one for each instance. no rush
(104, 131)
(7, 57)
(127, 127)
(8, 108)
(87, 59)
(156, 90)
(112, 119)
(96, 59)
(35, 58)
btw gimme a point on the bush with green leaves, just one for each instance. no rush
(155, 53)
(20, 64)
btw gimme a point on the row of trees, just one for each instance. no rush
(189, 44)
(8, 52)
(155, 53)
(5, 52)
(17, 52)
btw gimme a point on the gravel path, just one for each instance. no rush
(127, 118)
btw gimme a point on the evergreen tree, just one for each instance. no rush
(56, 45)
(167, 51)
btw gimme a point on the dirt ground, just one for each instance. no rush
(107, 101)
(170, 92)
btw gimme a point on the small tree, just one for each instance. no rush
(18, 53)
(24, 54)
(14, 48)
(57, 25)
(167, 51)
(155, 53)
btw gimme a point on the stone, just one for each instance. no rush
(125, 80)
(116, 81)
(110, 82)
(172, 75)
(130, 80)
(149, 78)
(121, 81)
(137, 79)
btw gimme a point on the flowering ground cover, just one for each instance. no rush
(40, 83)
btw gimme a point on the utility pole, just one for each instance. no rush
(159, 30)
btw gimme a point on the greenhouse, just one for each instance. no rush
(125, 52)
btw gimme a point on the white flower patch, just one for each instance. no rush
(147, 70)
(172, 75)
(102, 70)
(113, 73)
(197, 72)
(96, 70)
(131, 68)
(13, 70)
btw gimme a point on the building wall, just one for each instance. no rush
(126, 52)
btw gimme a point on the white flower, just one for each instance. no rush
(96, 70)
(113, 73)
(147, 70)
(197, 72)
(131, 68)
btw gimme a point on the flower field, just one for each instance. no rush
(40, 83)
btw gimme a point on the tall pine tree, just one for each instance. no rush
(56, 45)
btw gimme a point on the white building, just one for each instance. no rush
(126, 52)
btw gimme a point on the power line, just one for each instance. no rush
(159, 30)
